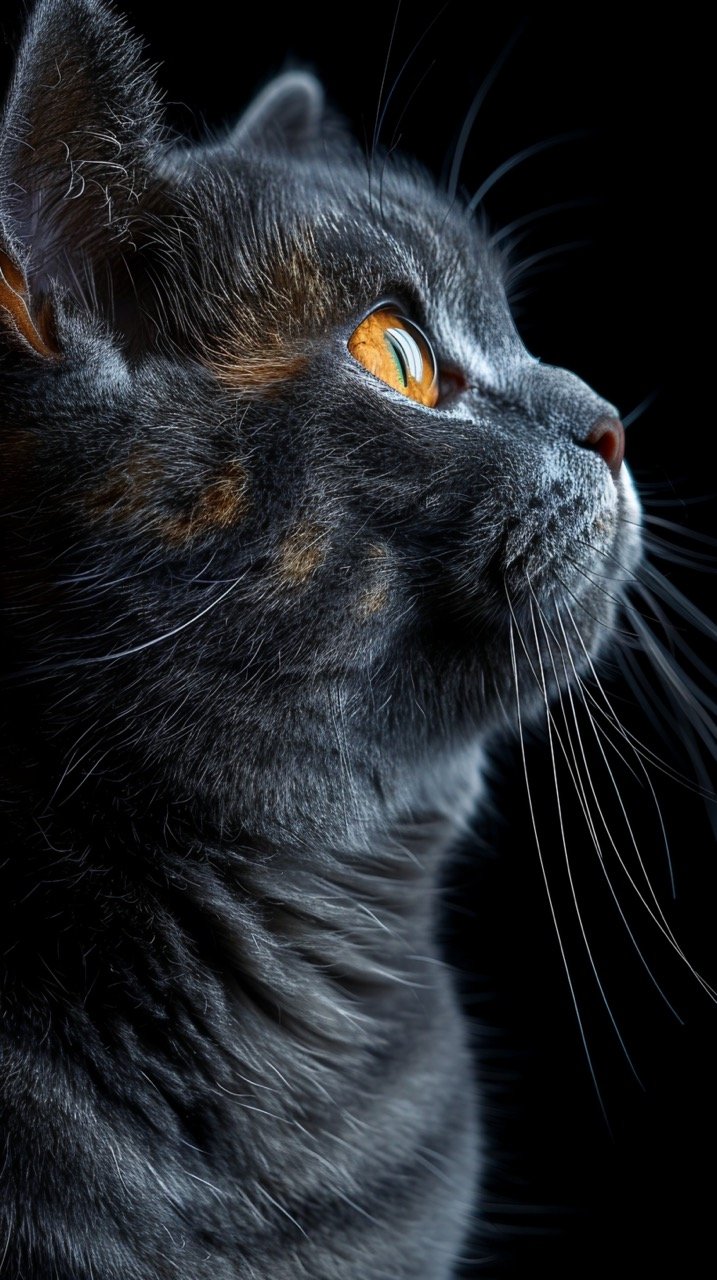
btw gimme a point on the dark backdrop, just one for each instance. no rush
(568, 1194)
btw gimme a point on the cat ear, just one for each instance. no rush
(80, 128)
(287, 113)
(32, 329)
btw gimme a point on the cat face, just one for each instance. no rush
(230, 503)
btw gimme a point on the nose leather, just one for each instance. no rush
(607, 438)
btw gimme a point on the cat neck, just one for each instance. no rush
(120, 899)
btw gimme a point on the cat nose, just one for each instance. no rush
(608, 439)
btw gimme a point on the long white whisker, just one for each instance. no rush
(552, 730)
(692, 535)
(642, 752)
(528, 219)
(645, 695)
(611, 629)
(472, 112)
(677, 640)
(379, 117)
(614, 720)
(148, 644)
(673, 596)
(573, 996)
(657, 915)
(526, 154)
(587, 773)
(679, 683)
(392, 90)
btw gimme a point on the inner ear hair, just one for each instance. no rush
(34, 330)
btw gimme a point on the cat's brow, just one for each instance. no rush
(254, 372)
(259, 342)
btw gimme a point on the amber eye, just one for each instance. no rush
(393, 349)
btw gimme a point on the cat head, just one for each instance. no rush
(283, 487)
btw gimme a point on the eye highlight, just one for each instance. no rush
(395, 350)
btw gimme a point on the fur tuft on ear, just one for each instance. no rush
(80, 130)
(287, 113)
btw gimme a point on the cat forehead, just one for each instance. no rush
(325, 239)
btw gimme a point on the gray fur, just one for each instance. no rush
(230, 1048)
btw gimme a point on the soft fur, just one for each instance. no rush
(256, 613)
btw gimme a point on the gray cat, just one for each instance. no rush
(294, 527)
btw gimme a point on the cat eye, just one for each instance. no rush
(395, 350)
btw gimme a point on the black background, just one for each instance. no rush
(565, 1194)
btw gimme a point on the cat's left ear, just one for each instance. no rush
(286, 114)
(79, 135)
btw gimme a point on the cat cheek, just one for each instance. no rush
(132, 495)
(222, 505)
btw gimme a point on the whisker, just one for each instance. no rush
(528, 219)
(687, 692)
(395, 135)
(519, 158)
(662, 549)
(676, 639)
(642, 752)
(147, 644)
(611, 629)
(648, 500)
(641, 408)
(679, 602)
(379, 117)
(472, 112)
(521, 269)
(617, 600)
(587, 773)
(573, 995)
(551, 727)
(674, 717)
(678, 528)
(660, 920)
(392, 90)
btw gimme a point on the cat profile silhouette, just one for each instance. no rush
(295, 529)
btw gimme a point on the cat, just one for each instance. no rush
(294, 526)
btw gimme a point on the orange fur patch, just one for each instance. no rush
(254, 372)
(264, 341)
(376, 597)
(374, 600)
(223, 503)
(130, 491)
(300, 554)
